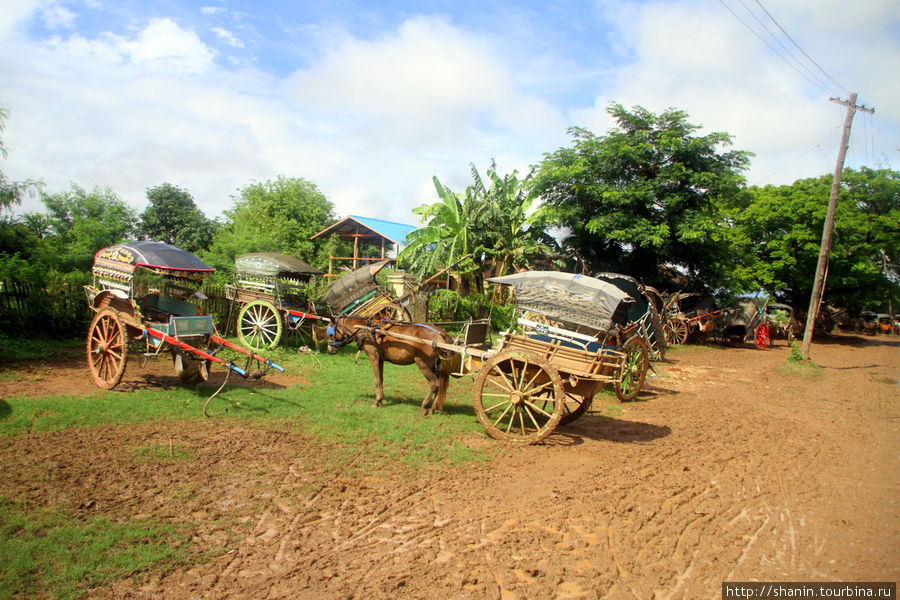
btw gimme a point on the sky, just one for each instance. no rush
(370, 100)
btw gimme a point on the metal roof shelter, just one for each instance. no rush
(365, 230)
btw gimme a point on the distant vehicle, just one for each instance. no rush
(867, 323)
(885, 323)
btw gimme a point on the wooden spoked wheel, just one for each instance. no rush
(107, 348)
(762, 337)
(634, 369)
(519, 397)
(676, 330)
(394, 312)
(259, 325)
(575, 407)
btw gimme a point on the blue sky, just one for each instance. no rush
(369, 100)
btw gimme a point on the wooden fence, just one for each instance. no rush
(27, 309)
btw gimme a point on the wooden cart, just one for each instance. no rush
(144, 294)
(547, 370)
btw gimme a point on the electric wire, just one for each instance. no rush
(773, 49)
(823, 85)
(808, 57)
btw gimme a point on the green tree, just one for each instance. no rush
(172, 216)
(275, 216)
(81, 222)
(12, 192)
(644, 196)
(506, 232)
(446, 236)
(778, 231)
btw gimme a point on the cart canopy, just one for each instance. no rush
(577, 299)
(120, 261)
(352, 286)
(273, 264)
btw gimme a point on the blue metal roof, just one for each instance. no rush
(393, 232)
(396, 232)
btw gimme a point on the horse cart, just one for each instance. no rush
(573, 337)
(690, 315)
(144, 294)
(271, 290)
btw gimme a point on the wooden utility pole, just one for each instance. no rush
(822, 266)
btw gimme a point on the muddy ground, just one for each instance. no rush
(724, 470)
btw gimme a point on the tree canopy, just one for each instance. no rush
(274, 216)
(644, 195)
(777, 230)
(491, 223)
(172, 216)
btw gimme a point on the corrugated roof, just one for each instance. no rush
(393, 232)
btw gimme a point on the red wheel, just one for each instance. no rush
(107, 349)
(763, 337)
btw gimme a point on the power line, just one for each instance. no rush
(772, 48)
(822, 84)
(788, 36)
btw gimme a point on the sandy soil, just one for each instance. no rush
(724, 470)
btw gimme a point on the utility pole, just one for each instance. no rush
(822, 266)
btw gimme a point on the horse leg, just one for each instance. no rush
(377, 361)
(428, 372)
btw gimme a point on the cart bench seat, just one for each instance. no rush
(604, 364)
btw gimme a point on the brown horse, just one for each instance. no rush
(382, 347)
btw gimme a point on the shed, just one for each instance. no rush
(365, 230)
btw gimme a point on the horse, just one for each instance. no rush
(380, 347)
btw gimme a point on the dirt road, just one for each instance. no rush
(724, 470)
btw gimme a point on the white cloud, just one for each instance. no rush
(227, 37)
(56, 16)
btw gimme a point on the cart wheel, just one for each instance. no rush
(763, 339)
(107, 349)
(519, 397)
(394, 312)
(575, 407)
(676, 330)
(191, 370)
(634, 369)
(259, 326)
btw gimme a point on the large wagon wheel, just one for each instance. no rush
(259, 325)
(575, 407)
(762, 336)
(107, 348)
(634, 369)
(519, 397)
(393, 311)
(676, 330)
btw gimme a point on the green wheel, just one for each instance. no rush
(634, 369)
(259, 326)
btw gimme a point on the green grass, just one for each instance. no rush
(45, 553)
(797, 364)
(334, 404)
(15, 348)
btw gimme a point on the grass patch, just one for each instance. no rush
(335, 404)
(796, 364)
(161, 452)
(64, 557)
(15, 348)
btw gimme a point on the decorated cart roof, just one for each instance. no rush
(121, 260)
(568, 297)
(272, 264)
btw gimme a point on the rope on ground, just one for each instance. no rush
(216, 393)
